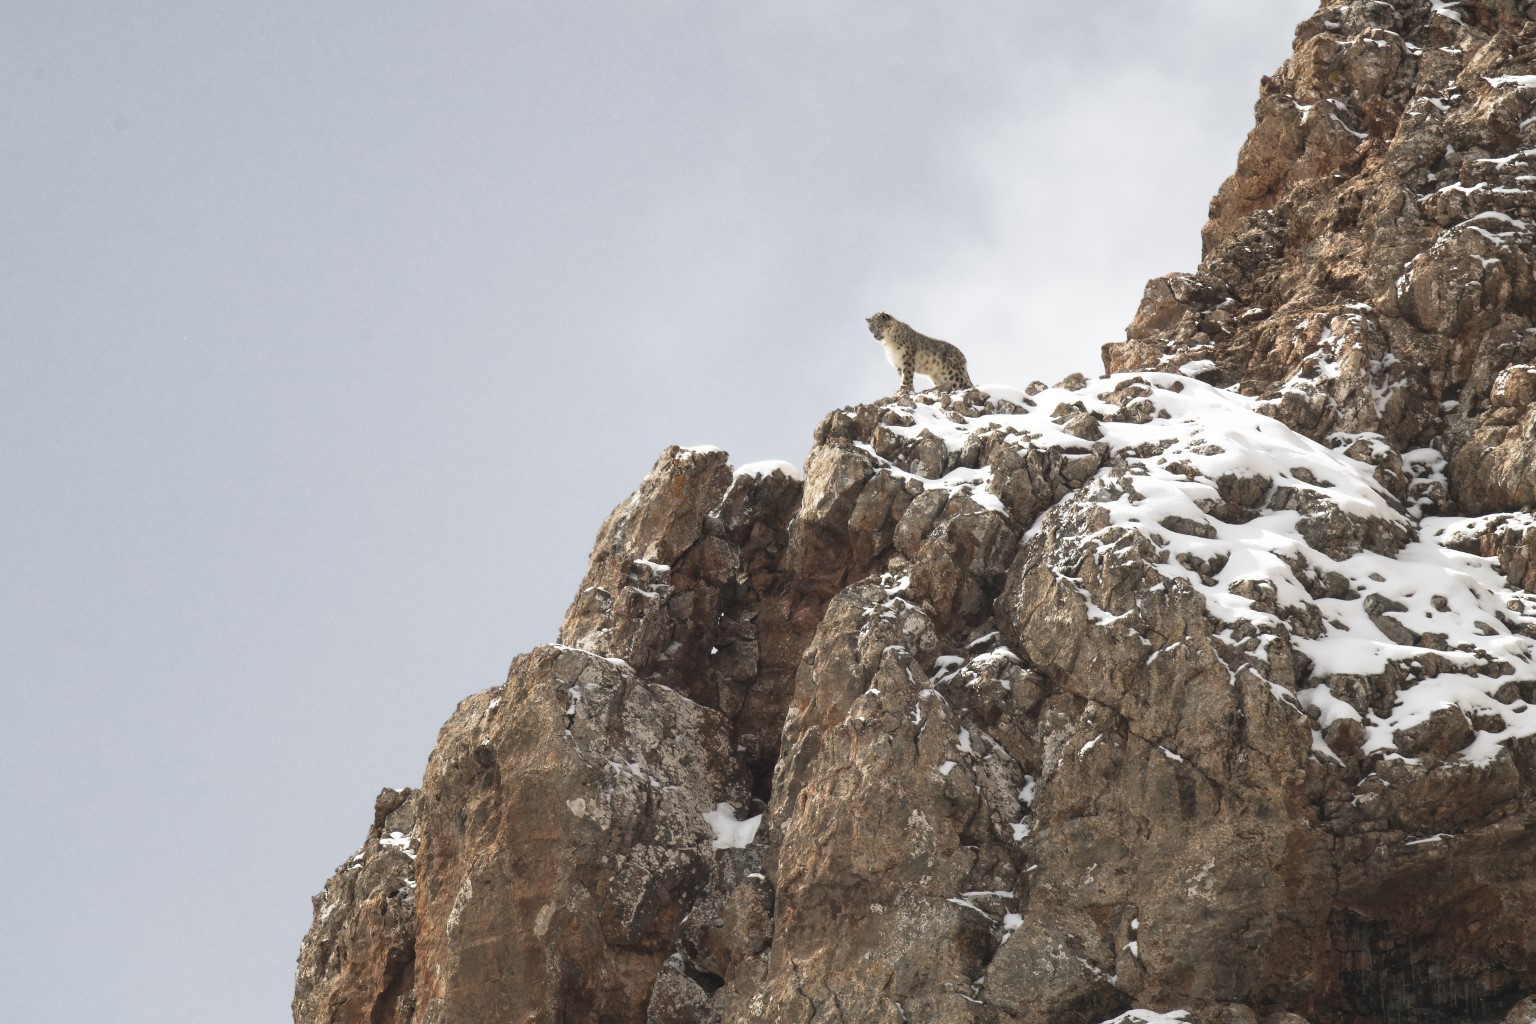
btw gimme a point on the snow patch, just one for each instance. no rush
(768, 467)
(1150, 1017)
(731, 834)
(399, 841)
(1447, 9)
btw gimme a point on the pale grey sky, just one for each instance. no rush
(330, 332)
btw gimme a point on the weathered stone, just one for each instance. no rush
(1523, 1012)
(1515, 387)
(1344, 736)
(1445, 732)
(866, 730)
(564, 860)
(357, 962)
(676, 998)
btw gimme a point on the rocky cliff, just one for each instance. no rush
(1202, 691)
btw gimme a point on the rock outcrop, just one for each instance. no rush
(1202, 691)
(1368, 268)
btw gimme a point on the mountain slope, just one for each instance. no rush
(1203, 687)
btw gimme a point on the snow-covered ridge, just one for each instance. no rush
(768, 467)
(1274, 530)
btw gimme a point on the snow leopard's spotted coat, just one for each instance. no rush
(911, 352)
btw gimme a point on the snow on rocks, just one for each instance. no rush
(768, 467)
(1150, 1017)
(731, 834)
(1284, 541)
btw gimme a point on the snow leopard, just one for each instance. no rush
(911, 352)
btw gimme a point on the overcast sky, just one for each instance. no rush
(329, 333)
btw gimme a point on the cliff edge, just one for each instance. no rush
(1201, 691)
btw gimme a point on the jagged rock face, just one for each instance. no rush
(696, 582)
(1147, 698)
(1368, 268)
(357, 962)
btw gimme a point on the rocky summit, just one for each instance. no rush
(1204, 691)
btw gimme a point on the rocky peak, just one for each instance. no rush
(1199, 692)
(1368, 267)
